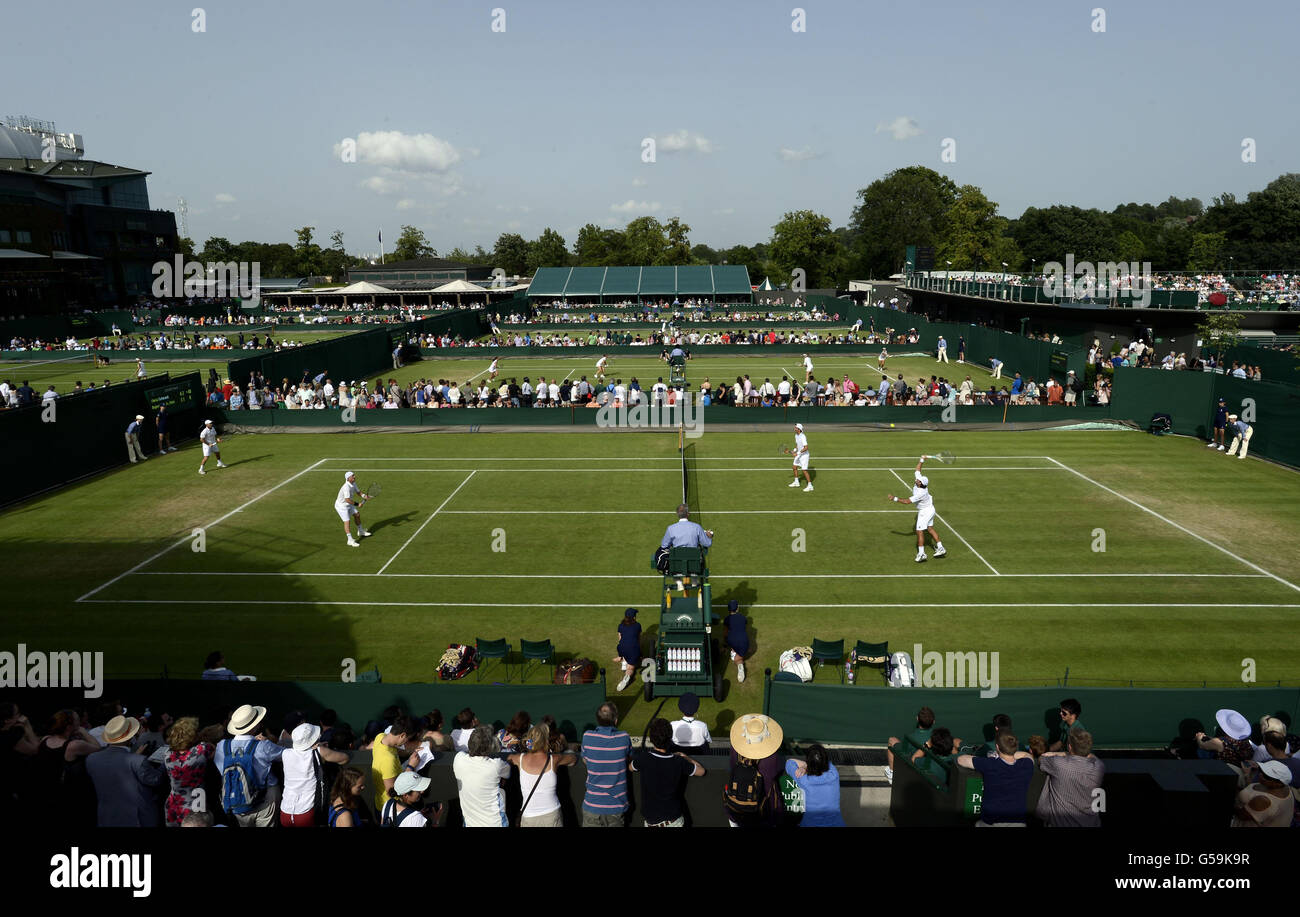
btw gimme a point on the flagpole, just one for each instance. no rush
(381, 246)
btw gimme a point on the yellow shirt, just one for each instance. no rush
(384, 765)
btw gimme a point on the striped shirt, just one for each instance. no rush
(606, 752)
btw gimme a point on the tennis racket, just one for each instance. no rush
(945, 458)
(786, 450)
(372, 491)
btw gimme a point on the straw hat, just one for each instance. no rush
(246, 719)
(120, 730)
(755, 736)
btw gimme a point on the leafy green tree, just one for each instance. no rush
(1129, 247)
(217, 248)
(1052, 233)
(1220, 331)
(678, 248)
(548, 250)
(702, 254)
(411, 244)
(975, 237)
(511, 253)
(1206, 253)
(804, 240)
(647, 242)
(907, 207)
(185, 247)
(307, 251)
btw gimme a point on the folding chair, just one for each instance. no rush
(829, 651)
(540, 651)
(491, 649)
(873, 654)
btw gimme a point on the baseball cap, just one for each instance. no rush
(689, 703)
(630, 612)
(1221, 401)
(923, 480)
(349, 474)
(207, 423)
(1275, 769)
(733, 605)
(407, 781)
(139, 417)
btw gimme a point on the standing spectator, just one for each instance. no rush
(512, 736)
(386, 758)
(18, 744)
(1233, 746)
(403, 810)
(1267, 803)
(820, 782)
(133, 440)
(462, 726)
(538, 765)
(1006, 783)
(606, 752)
(59, 770)
(303, 779)
(187, 766)
(480, 780)
(250, 791)
(347, 798)
(164, 435)
(689, 735)
(127, 784)
(752, 797)
(663, 777)
(1070, 712)
(1072, 778)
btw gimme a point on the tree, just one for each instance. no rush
(804, 240)
(185, 247)
(217, 248)
(702, 254)
(678, 249)
(975, 236)
(411, 244)
(334, 260)
(1206, 253)
(307, 252)
(547, 250)
(1053, 233)
(907, 207)
(511, 253)
(1220, 331)
(1129, 247)
(647, 242)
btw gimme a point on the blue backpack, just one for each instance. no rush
(241, 792)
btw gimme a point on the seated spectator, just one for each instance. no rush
(820, 782)
(689, 735)
(347, 799)
(480, 780)
(403, 809)
(918, 737)
(186, 765)
(1006, 783)
(1069, 796)
(942, 747)
(1069, 713)
(538, 764)
(1267, 803)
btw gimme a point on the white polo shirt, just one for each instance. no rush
(349, 490)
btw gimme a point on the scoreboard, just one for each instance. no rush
(177, 396)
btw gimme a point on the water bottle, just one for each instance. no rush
(848, 671)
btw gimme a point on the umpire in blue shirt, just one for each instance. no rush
(685, 533)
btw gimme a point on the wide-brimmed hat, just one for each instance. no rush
(121, 729)
(245, 719)
(755, 736)
(305, 736)
(1233, 724)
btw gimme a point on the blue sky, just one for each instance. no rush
(468, 133)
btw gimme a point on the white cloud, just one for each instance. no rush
(406, 203)
(631, 206)
(224, 198)
(901, 127)
(683, 141)
(639, 182)
(789, 155)
(404, 152)
(383, 184)
(514, 224)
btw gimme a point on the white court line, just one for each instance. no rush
(765, 467)
(427, 521)
(659, 512)
(1180, 528)
(650, 458)
(800, 576)
(929, 605)
(187, 538)
(955, 532)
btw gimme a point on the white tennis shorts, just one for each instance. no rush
(346, 512)
(801, 461)
(924, 518)
(211, 450)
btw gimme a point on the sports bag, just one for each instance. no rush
(240, 791)
(796, 660)
(457, 662)
(899, 671)
(744, 796)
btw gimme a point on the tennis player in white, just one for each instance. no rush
(800, 462)
(924, 504)
(348, 505)
(600, 367)
(209, 439)
(493, 369)
(807, 368)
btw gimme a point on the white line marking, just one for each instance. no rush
(955, 532)
(655, 458)
(187, 538)
(427, 521)
(764, 467)
(927, 576)
(657, 512)
(1180, 528)
(715, 604)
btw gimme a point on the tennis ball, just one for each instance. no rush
(891, 424)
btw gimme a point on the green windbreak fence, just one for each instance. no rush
(353, 356)
(1030, 358)
(1275, 365)
(74, 436)
(468, 324)
(1116, 717)
(1190, 399)
(573, 706)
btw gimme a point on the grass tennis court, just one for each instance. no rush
(1186, 589)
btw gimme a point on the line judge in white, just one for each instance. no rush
(924, 504)
(348, 505)
(800, 462)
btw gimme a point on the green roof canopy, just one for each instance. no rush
(629, 281)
